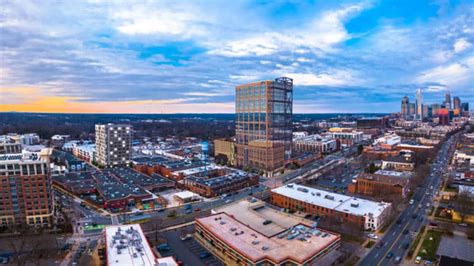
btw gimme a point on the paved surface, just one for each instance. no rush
(456, 247)
(403, 231)
(188, 250)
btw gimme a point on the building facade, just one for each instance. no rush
(225, 147)
(25, 187)
(314, 143)
(113, 144)
(264, 112)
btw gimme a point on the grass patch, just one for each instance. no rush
(370, 244)
(430, 245)
(414, 244)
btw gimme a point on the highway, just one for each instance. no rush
(401, 234)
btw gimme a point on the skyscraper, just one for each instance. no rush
(456, 103)
(264, 113)
(427, 111)
(447, 101)
(412, 108)
(419, 105)
(405, 107)
(113, 144)
(434, 109)
(25, 193)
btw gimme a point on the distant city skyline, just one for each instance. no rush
(188, 57)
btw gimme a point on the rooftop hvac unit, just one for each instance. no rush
(329, 197)
(355, 204)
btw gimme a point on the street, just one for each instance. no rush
(410, 221)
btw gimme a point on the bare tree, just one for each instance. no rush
(464, 204)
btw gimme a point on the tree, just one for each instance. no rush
(464, 204)
(360, 149)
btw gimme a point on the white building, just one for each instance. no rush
(314, 143)
(463, 156)
(127, 245)
(389, 139)
(113, 144)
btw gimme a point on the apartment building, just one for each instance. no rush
(113, 144)
(25, 186)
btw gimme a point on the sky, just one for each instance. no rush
(188, 56)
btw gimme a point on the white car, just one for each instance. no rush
(373, 236)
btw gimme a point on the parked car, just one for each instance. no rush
(204, 255)
(186, 237)
(163, 247)
(418, 260)
(389, 255)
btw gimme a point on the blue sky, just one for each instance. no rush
(187, 56)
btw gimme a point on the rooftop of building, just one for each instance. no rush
(130, 176)
(150, 160)
(62, 155)
(393, 173)
(400, 159)
(298, 243)
(334, 201)
(229, 178)
(127, 245)
(391, 179)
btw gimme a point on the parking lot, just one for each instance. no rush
(188, 251)
(336, 179)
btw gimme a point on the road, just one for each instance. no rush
(412, 218)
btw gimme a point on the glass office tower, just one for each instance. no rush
(264, 114)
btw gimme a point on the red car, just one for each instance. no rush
(197, 210)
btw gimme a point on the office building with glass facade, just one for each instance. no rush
(264, 112)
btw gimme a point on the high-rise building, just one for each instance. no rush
(456, 103)
(447, 101)
(264, 113)
(434, 109)
(412, 108)
(465, 107)
(405, 107)
(25, 186)
(419, 104)
(426, 111)
(113, 144)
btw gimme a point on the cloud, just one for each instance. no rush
(451, 75)
(187, 54)
(461, 45)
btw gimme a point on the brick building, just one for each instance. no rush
(366, 214)
(380, 184)
(25, 186)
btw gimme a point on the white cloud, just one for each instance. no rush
(323, 33)
(452, 75)
(165, 19)
(461, 45)
(336, 78)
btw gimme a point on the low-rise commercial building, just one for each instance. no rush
(127, 245)
(214, 186)
(380, 184)
(250, 233)
(399, 163)
(366, 214)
